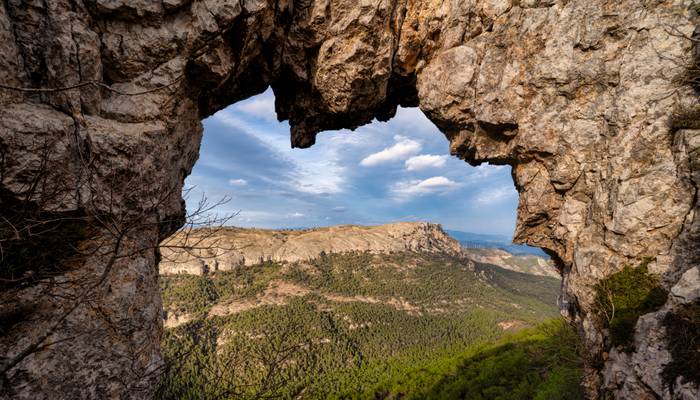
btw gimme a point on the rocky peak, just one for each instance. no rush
(228, 248)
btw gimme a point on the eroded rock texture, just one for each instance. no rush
(576, 95)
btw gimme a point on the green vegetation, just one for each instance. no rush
(684, 343)
(196, 294)
(189, 293)
(429, 281)
(540, 363)
(525, 264)
(276, 356)
(246, 282)
(366, 326)
(624, 296)
(536, 363)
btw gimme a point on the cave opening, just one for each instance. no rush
(382, 172)
(241, 294)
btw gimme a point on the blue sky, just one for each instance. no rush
(399, 170)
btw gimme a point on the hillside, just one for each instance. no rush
(226, 248)
(525, 263)
(351, 325)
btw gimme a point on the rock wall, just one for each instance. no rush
(100, 123)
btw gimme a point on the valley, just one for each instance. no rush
(362, 324)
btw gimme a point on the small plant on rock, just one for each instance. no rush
(624, 296)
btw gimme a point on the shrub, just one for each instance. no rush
(683, 339)
(188, 293)
(624, 296)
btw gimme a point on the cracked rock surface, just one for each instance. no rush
(575, 95)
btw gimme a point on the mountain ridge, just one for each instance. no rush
(201, 251)
(227, 248)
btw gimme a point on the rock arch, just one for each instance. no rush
(103, 99)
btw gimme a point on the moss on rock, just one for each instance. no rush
(624, 296)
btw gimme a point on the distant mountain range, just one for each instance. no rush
(229, 248)
(483, 241)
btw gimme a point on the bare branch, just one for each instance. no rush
(90, 83)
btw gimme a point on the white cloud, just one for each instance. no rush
(319, 177)
(237, 182)
(296, 215)
(317, 170)
(338, 209)
(412, 188)
(424, 161)
(403, 148)
(273, 135)
(262, 107)
(495, 195)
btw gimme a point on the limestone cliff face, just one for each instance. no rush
(575, 95)
(229, 248)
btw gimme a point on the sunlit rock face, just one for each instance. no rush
(574, 95)
(230, 248)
